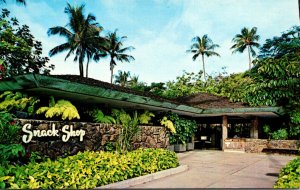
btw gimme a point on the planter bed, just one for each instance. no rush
(87, 170)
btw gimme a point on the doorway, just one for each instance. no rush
(208, 136)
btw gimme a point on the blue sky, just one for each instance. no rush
(161, 31)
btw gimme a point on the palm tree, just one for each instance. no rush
(82, 35)
(204, 47)
(247, 39)
(23, 2)
(122, 78)
(115, 50)
(134, 81)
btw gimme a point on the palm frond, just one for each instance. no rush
(195, 56)
(130, 48)
(59, 49)
(62, 31)
(211, 53)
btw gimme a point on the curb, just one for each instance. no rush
(143, 179)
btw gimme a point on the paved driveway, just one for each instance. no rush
(217, 169)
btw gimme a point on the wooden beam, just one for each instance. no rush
(224, 130)
(254, 128)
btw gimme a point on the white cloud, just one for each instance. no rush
(160, 52)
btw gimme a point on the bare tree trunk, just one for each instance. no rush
(204, 75)
(249, 58)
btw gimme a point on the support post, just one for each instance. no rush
(224, 130)
(254, 128)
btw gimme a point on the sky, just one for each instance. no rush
(161, 31)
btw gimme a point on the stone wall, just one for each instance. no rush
(95, 138)
(258, 145)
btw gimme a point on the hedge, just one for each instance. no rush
(87, 170)
(289, 176)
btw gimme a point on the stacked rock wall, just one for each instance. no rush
(258, 145)
(96, 137)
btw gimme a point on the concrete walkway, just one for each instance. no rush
(217, 169)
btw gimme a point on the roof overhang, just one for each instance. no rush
(47, 85)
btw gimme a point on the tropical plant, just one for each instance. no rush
(109, 146)
(168, 124)
(98, 169)
(99, 117)
(247, 39)
(186, 84)
(10, 152)
(280, 134)
(116, 51)
(116, 114)
(145, 117)
(128, 131)
(17, 102)
(9, 137)
(22, 2)
(134, 81)
(185, 128)
(267, 131)
(203, 46)
(63, 108)
(20, 52)
(289, 175)
(276, 76)
(122, 78)
(9, 130)
(82, 35)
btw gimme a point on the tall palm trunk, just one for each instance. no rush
(87, 70)
(203, 67)
(81, 67)
(299, 8)
(111, 72)
(249, 57)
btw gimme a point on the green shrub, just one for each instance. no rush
(185, 128)
(9, 136)
(10, 152)
(280, 134)
(87, 170)
(9, 131)
(289, 176)
(17, 101)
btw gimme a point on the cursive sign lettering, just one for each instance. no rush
(53, 132)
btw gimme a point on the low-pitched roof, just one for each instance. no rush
(205, 100)
(94, 91)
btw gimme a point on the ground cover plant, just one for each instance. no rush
(87, 169)
(289, 176)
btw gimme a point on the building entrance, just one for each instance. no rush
(208, 136)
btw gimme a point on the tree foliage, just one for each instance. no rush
(246, 40)
(122, 78)
(82, 37)
(203, 46)
(277, 76)
(114, 48)
(20, 52)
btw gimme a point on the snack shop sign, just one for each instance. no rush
(67, 131)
